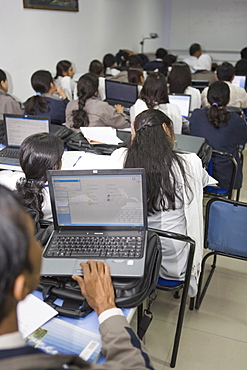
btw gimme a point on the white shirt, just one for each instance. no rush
(171, 110)
(68, 85)
(191, 61)
(238, 96)
(195, 97)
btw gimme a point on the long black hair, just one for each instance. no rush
(61, 67)
(3, 76)
(86, 88)
(152, 149)
(38, 153)
(154, 91)
(41, 83)
(218, 96)
(179, 78)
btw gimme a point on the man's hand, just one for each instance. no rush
(96, 285)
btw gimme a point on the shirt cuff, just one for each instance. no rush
(109, 313)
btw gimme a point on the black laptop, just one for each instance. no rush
(122, 93)
(99, 215)
(17, 128)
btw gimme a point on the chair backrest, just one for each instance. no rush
(226, 227)
(216, 191)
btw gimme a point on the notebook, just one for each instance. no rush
(92, 207)
(122, 93)
(17, 128)
(182, 101)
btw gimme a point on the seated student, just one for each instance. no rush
(203, 69)
(109, 62)
(133, 61)
(135, 76)
(158, 62)
(154, 95)
(38, 153)
(7, 103)
(238, 95)
(49, 100)
(20, 272)
(241, 68)
(97, 68)
(224, 131)
(243, 53)
(195, 52)
(179, 81)
(63, 78)
(88, 110)
(175, 184)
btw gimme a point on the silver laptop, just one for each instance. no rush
(182, 101)
(99, 215)
(17, 128)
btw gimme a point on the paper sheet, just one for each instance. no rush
(33, 313)
(106, 135)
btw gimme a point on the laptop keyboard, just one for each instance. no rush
(95, 246)
(10, 153)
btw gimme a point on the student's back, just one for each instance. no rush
(7, 103)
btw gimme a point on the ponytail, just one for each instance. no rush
(36, 102)
(31, 193)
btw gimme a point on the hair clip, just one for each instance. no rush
(38, 93)
(215, 104)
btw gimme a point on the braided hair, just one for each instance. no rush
(86, 88)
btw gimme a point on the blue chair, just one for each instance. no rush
(176, 286)
(225, 235)
(215, 190)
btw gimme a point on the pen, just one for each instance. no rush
(77, 161)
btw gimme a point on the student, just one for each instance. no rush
(20, 271)
(241, 68)
(203, 69)
(222, 130)
(38, 153)
(154, 95)
(7, 103)
(97, 68)
(64, 77)
(243, 53)
(109, 62)
(195, 52)
(88, 110)
(49, 100)
(158, 62)
(175, 184)
(238, 95)
(179, 81)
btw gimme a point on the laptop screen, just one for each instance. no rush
(17, 128)
(121, 91)
(239, 81)
(182, 101)
(97, 198)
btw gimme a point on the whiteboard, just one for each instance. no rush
(219, 25)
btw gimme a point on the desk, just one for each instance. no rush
(61, 338)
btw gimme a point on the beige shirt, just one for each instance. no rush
(9, 105)
(238, 96)
(100, 114)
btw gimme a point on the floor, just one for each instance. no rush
(213, 338)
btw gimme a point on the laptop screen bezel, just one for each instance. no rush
(51, 174)
(134, 86)
(19, 116)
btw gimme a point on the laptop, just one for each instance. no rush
(182, 101)
(99, 215)
(200, 84)
(17, 128)
(239, 81)
(122, 93)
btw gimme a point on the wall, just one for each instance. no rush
(218, 25)
(37, 39)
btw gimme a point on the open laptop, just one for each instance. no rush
(99, 215)
(239, 81)
(17, 128)
(122, 93)
(182, 101)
